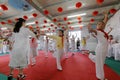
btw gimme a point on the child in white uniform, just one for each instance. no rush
(102, 47)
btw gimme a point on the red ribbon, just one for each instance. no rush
(105, 34)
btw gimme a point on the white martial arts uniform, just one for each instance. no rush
(46, 42)
(20, 49)
(66, 47)
(5, 49)
(101, 52)
(73, 44)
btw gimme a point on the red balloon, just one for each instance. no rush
(25, 17)
(55, 27)
(79, 21)
(78, 4)
(44, 26)
(4, 7)
(45, 21)
(65, 18)
(46, 12)
(34, 14)
(95, 13)
(55, 20)
(100, 1)
(3, 23)
(10, 21)
(59, 24)
(48, 28)
(36, 22)
(51, 25)
(113, 11)
(53, 30)
(60, 9)
(68, 23)
(92, 20)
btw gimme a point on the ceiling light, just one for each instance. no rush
(31, 23)
(3, 28)
(71, 16)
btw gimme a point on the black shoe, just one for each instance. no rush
(21, 76)
(10, 77)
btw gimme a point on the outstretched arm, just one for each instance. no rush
(105, 16)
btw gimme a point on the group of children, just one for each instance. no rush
(20, 37)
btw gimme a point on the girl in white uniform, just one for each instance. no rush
(73, 44)
(20, 48)
(46, 46)
(102, 47)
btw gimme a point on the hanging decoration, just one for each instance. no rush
(60, 9)
(46, 12)
(55, 27)
(3, 23)
(95, 13)
(9, 21)
(36, 22)
(25, 17)
(113, 11)
(54, 20)
(68, 23)
(92, 20)
(59, 24)
(78, 4)
(100, 1)
(35, 15)
(53, 30)
(49, 29)
(16, 19)
(79, 22)
(51, 25)
(65, 18)
(44, 26)
(4, 7)
(45, 21)
(30, 27)
(79, 18)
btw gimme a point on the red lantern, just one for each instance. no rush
(44, 26)
(60, 9)
(55, 20)
(55, 27)
(113, 11)
(4, 7)
(37, 27)
(59, 24)
(36, 22)
(68, 23)
(63, 27)
(65, 18)
(48, 28)
(78, 4)
(9, 21)
(92, 20)
(79, 22)
(25, 17)
(100, 1)
(51, 25)
(95, 13)
(53, 30)
(46, 12)
(3, 23)
(34, 14)
(79, 18)
(45, 21)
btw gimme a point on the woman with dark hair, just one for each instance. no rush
(19, 48)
